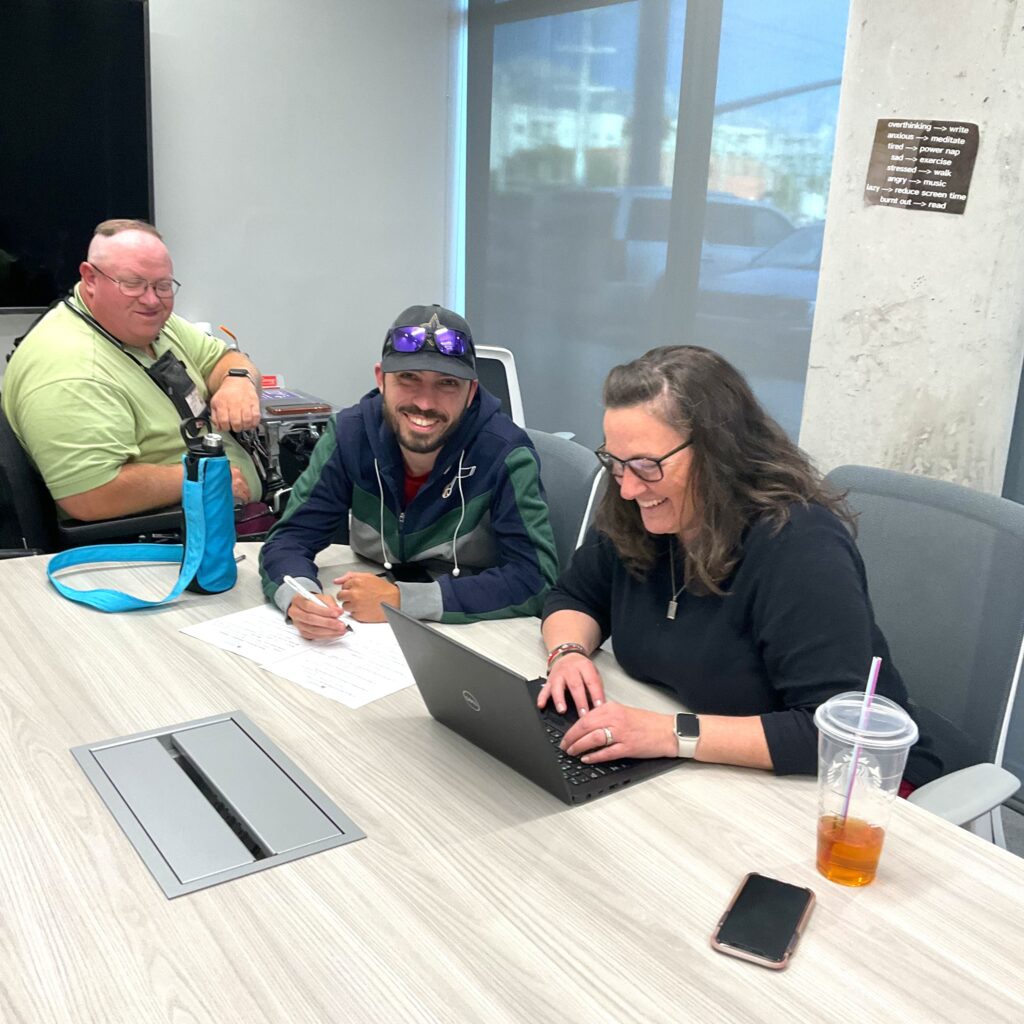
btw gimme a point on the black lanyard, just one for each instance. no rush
(170, 375)
(168, 372)
(100, 329)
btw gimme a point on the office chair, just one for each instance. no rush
(571, 477)
(28, 518)
(496, 368)
(29, 523)
(945, 568)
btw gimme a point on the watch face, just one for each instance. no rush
(687, 726)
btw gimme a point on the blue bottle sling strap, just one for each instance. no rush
(206, 558)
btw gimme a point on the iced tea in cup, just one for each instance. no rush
(859, 773)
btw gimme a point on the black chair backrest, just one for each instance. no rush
(494, 379)
(28, 515)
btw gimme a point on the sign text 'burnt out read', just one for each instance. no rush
(921, 165)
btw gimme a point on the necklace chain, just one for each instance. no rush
(673, 604)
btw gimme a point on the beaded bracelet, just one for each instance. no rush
(567, 648)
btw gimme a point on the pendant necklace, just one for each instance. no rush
(673, 604)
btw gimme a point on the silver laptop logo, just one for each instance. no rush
(471, 700)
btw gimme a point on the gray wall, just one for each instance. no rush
(302, 160)
(919, 330)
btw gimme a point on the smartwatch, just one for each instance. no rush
(238, 371)
(687, 734)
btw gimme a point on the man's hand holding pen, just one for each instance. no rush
(316, 616)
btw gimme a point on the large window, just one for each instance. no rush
(641, 173)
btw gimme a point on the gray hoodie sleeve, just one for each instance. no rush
(422, 600)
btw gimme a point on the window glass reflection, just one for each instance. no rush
(581, 158)
(771, 150)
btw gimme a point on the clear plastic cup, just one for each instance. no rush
(852, 818)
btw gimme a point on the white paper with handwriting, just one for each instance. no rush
(361, 666)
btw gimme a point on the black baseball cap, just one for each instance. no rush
(433, 320)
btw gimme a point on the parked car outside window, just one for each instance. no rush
(761, 316)
(735, 232)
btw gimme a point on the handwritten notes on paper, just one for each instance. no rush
(354, 669)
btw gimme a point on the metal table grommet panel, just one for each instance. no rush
(192, 837)
(272, 806)
(208, 801)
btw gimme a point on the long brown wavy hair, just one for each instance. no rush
(744, 468)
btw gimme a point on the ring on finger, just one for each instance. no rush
(608, 738)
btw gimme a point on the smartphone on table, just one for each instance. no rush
(764, 921)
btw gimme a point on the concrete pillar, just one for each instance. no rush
(918, 337)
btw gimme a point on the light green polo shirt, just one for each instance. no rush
(82, 408)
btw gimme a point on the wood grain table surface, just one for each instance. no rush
(476, 896)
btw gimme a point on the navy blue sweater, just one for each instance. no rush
(482, 505)
(794, 628)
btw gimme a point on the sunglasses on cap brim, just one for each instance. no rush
(447, 340)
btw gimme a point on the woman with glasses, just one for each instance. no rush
(724, 571)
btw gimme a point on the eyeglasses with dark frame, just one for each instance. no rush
(135, 287)
(648, 470)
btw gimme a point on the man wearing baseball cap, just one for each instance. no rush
(443, 489)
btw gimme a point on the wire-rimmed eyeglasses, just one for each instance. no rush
(647, 469)
(134, 287)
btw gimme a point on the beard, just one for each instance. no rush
(414, 442)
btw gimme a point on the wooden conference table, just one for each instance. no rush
(475, 897)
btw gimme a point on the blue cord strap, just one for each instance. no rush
(190, 555)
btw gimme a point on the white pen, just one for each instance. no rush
(307, 594)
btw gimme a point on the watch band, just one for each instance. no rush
(687, 734)
(240, 371)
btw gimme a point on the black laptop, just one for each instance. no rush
(496, 709)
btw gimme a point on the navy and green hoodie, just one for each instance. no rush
(482, 509)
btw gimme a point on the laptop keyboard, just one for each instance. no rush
(575, 771)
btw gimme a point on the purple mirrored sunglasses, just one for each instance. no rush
(447, 340)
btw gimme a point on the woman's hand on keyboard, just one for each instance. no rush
(578, 674)
(613, 731)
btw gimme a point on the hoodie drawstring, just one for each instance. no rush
(380, 486)
(458, 526)
(462, 514)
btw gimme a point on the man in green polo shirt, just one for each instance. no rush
(103, 433)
